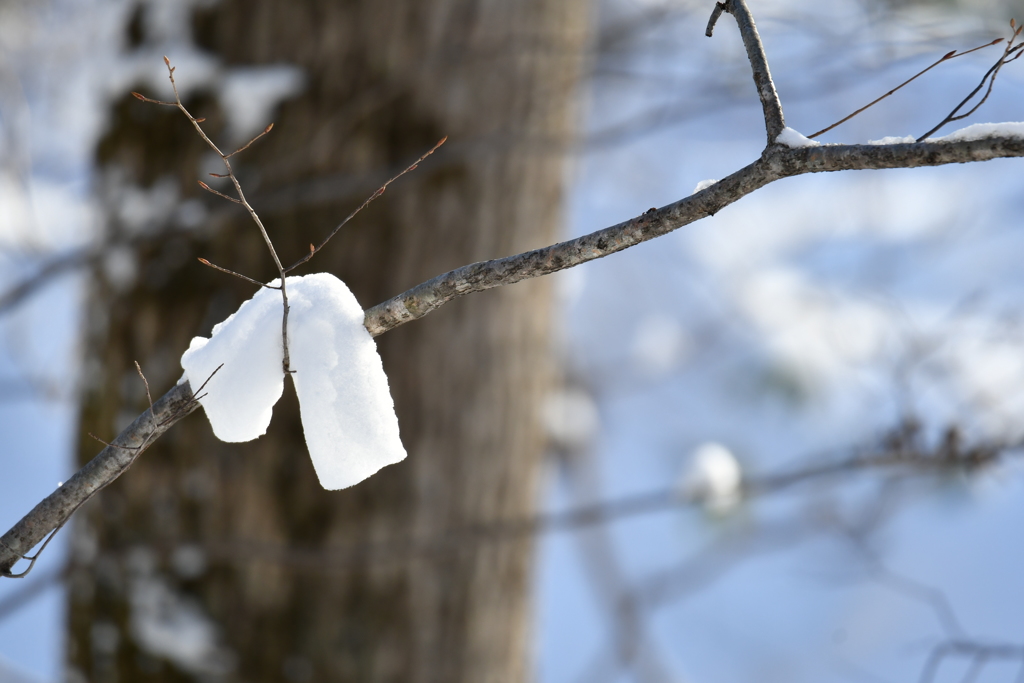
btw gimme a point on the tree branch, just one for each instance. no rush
(777, 162)
(112, 461)
(774, 121)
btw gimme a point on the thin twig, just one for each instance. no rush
(149, 397)
(716, 13)
(110, 445)
(989, 77)
(378, 192)
(219, 194)
(946, 57)
(286, 358)
(239, 275)
(246, 145)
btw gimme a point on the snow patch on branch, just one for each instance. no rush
(703, 185)
(347, 413)
(979, 131)
(794, 139)
(894, 140)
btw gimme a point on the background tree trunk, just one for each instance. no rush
(179, 570)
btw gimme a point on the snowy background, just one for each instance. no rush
(805, 322)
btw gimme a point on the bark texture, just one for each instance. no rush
(173, 551)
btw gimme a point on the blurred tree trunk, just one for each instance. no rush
(179, 570)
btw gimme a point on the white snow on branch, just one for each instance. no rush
(979, 131)
(347, 413)
(703, 185)
(894, 140)
(714, 478)
(793, 138)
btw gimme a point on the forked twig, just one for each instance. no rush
(286, 359)
(944, 58)
(989, 77)
(378, 192)
(238, 275)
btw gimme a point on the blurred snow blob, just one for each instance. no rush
(659, 344)
(714, 478)
(570, 417)
(347, 413)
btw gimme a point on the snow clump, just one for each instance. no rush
(792, 138)
(894, 140)
(979, 131)
(715, 478)
(703, 185)
(347, 412)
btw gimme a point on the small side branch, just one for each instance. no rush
(1011, 53)
(716, 14)
(378, 192)
(944, 58)
(286, 358)
(774, 120)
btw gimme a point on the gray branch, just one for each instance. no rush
(776, 163)
(55, 510)
(774, 121)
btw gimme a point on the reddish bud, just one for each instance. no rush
(200, 120)
(949, 54)
(311, 249)
(138, 96)
(203, 185)
(267, 129)
(1013, 23)
(443, 140)
(204, 261)
(167, 61)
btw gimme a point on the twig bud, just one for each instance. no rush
(167, 61)
(268, 128)
(949, 54)
(204, 261)
(139, 96)
(312, 249)
(200, 120)
(204, 185)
